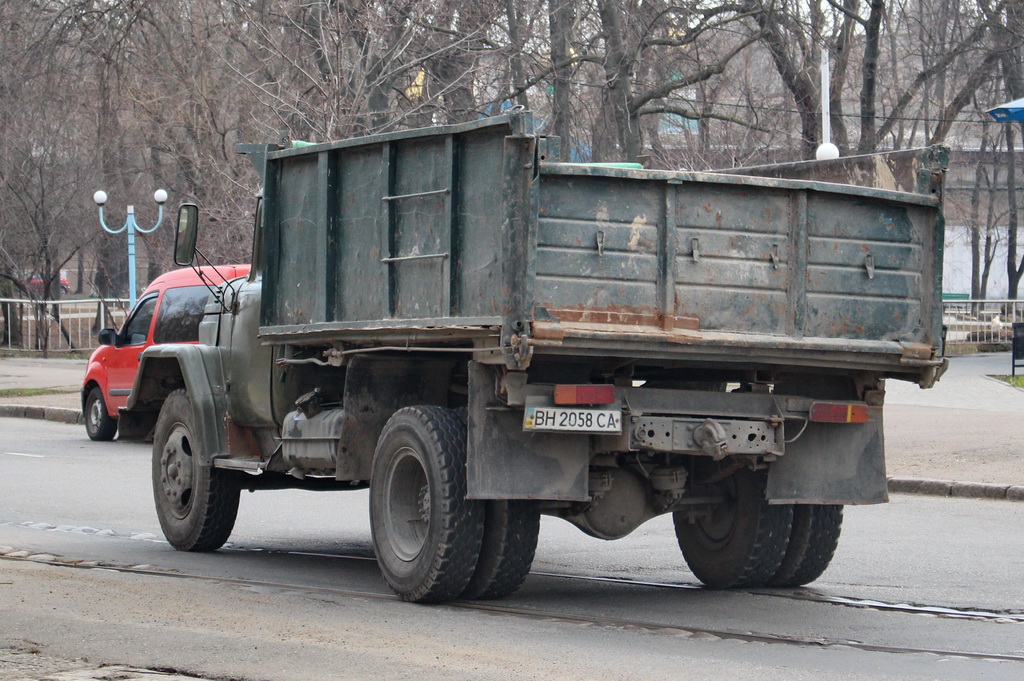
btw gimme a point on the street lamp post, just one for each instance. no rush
(160, 196)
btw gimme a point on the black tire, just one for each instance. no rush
(511, 529)
(426, 534)
(196, 504)
(812, 543)
(744, 541)
(99, 425)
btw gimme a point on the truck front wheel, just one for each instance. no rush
(426, 534)
(812, 544)
(196, 504)
(742, 541)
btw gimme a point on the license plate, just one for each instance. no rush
(569, 420)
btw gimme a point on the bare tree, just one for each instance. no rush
(41, 166)
(943, 37)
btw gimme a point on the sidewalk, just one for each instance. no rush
(961, 438)
(64, 375)
(965, 429)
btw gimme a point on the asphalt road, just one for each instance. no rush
(296, 594)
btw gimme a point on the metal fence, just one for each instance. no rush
(971, 321)
(58, 325)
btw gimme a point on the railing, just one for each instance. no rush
(58, 325)
(971, 321)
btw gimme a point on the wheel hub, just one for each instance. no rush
(95, 414)
(176, 467)
(423, 502)
(407, 505)
(717, 527)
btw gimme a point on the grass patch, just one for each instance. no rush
(32, 392)
(1015, 381)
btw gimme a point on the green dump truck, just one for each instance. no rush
(481, 334)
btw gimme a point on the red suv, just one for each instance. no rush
(168, 311)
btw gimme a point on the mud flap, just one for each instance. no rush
(503, 462)
(374, 390)
(832, 464)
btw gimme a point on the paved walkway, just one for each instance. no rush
(30, 372)
(57, 374)
(966, 385)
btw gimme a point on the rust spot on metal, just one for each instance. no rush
(917, 351)
(549, 331)
(625, 316)
(241, 443)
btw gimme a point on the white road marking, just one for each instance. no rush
(30, 456)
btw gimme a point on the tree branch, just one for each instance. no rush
(692, 115)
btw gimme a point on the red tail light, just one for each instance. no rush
(835, 412)
(584, 394)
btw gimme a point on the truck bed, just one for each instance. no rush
(474, 236)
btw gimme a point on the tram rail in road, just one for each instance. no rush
(661, 628)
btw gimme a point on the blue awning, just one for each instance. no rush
(1011, 111)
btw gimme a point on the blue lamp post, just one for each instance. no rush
(160, 196)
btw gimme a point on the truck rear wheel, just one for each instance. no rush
(196, 504)
(743, 541)
(511, 529)
(427, 535)
(812, 543)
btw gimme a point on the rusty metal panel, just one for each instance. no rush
(419, 243)
(477, 267)
(301, 237)
(735, 257)
(397, 227)
(867, 277)
(597, 248)
(362, 285)
(783, 258)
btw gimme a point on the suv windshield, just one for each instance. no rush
(180, 314)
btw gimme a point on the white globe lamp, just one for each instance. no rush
(827, 152)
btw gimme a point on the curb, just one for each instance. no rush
(962, 490)
(58, 414)
(926, 486)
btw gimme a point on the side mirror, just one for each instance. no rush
(107, 337)
(185, 235)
